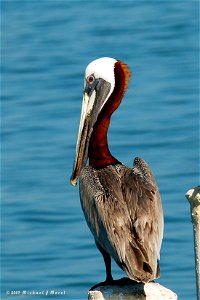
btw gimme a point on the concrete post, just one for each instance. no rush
(134, 291)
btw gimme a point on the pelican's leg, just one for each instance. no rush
(107, 260)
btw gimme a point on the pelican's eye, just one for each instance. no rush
(91, 79)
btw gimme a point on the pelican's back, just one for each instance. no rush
(123, 210)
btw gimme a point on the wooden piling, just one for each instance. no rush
(193, 196)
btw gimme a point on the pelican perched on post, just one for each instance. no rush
(121, 205)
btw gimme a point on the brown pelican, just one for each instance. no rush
(121, 205)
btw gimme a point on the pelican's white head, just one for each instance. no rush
(102, 68)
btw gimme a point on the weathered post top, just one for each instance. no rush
(134, 291)
(193, 196)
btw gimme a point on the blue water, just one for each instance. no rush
(46, 46)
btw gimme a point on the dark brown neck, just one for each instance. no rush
(99, 153)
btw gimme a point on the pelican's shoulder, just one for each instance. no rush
(90, 183)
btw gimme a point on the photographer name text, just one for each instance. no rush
(36, 293)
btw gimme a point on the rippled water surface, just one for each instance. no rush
(46, 46)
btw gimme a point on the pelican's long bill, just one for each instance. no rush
(96, 93)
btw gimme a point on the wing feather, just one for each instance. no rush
(123, 210)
